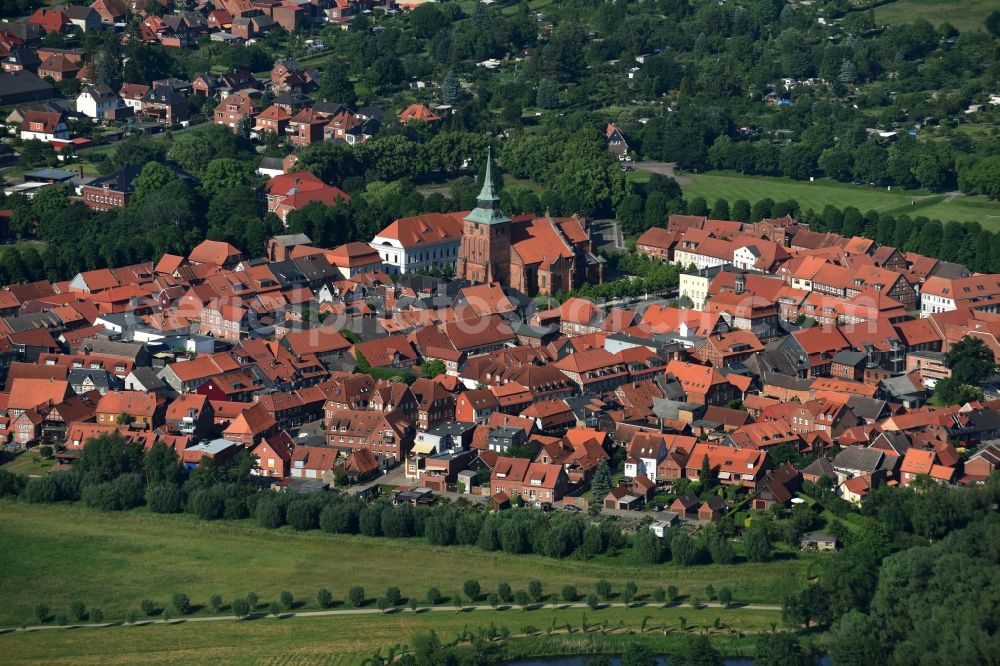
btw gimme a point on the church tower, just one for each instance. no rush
(484, 255)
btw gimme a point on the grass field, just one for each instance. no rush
(350, 639)
(818, 194)
(56, 554)
(963, 14)
(28, 463)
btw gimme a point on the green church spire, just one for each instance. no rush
(487, 210)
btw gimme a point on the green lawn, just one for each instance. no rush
(963, 14)
(350, 639)
(818, 194)
(28, 463)
(57, 554)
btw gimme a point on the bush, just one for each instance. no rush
(78, 611)
(164, 498)
(235, 508)
(535, 590)
(672, 593)
(302, 515)
(685, 550)
(96, 615)
(41, 613)
(125, 492)
(253, 600)
(569, 593)
(433, 596)
(131, 617)
(725, 596)
(649, 548)
(181, 603)
(356, 595)
(340, 518)
(492, 599)
(471, 589)
(505, 593)
(393, 596)
(593, 601)
(286, 599)
(148, 607)
(603, 589)
(629, 592)
(207, 504)
(274, 608)
(41, 490)
(215, 602)
(757, 544)
(659, 594)
(241, 608)
(324, 598)
(268, 513)
(11, 485)
(522, 598)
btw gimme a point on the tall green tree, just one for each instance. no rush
(600, 484)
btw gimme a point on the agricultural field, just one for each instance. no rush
(352, 639)
(57, 554)
(963, 14)
(816, 195)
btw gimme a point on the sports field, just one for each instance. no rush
(58, 554)
(963, 14)
(820, 193)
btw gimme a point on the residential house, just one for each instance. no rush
(657, 243)
(646, 451)
(132, 95)
(615, 140)
(418, 113)
(165, 105)
(705, 385)
(274, 456)
(137, 410)
(306, 127)
(231, 111)
(533, 482)
(291, 191)
(44, 126)
(386, 434)
(97, 100)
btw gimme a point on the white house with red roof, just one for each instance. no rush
(419, 242)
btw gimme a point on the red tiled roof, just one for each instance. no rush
(212, 252)
(133, 403)
(429, 228)
(417, 112)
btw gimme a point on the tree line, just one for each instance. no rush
(918, 582)
(113, 474)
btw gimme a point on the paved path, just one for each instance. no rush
(639, 605)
